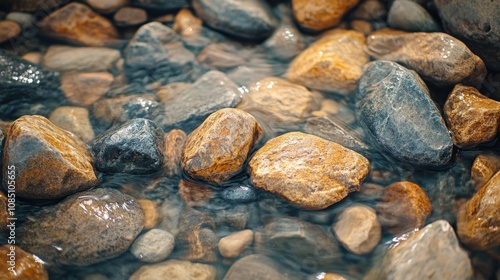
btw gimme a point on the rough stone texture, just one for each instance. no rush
(83, 89)
(411, 129)
(219, 147)
(260, 267)
(478, 221)
(75, 120)
(80, 59)
(161, 4)
(106, 6)
(484, 167)
(232, 245)
(318, 15)
(129, 16)
(152, 216)
(35, 145)
(174, 144)
(372, 10)
(86, 228)
(437, 57)
(472, 118)
(127, 107)
(410, 16)
(431, 253)
(186, 24)
(251, 19)
(134, 147)
(26, 266)
(4, 214)
(358, 229)
(403, 207)
(175, 269)
(78, 24)
(323, 172)
(8, 30)
(332, 63)
(327, 275)
(195, 194)
(153, 246)
(239, 194)
(476, 23)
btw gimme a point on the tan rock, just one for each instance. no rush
(83, 89)
(369, 10)
(327, 276)
(307, 170)
(362, 26)
(195, 194)
(170, 91)
(321, 14)
(333, 63)
(107, 6)
(175, 269)
(74, 119)
(4, 214)
(483, 168)
(187, 24)
(8, 30)
(233, 245)
(33, 57)
(219, 147)
(152, 216)
(26, 266)
(130, 16)
(114, 109)
(174, 144)
(80, 59)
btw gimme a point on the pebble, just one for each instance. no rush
(333, 63)
(161, 4)
(411, 130)
(74, 119)
(319, 15)
(170, 211)
(9, 29)
(127, 107)
(410, 16)
(260, 267)
(239, 193)
(326, 276)
(33, 6)
(129, 16)
(286, 42)
(25, 20)
(4, 214)
(222, 56)
(103, 223)
(168, 92)
(83, 89)
(80, 59)
(485, 165)
(472, 118)
(152, 215)
(324, 172)
(219, 147)
(186, 24)
(372, 10)
(26, 266)
(362, 26)
(153, 246)
(106, 6)
(33, 57)
(234, 244)
(175, 269)
(195, 194)
(174, 144)
(403, 206)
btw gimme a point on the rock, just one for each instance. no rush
(78, 24)
(472, 118)
(235, 216)
(106, 6)
(80, 59)
(25, 20)
(153, 246)
(327, 275)
(403, 207)
(161, 4)
(9, 29)
(25, 265)
(411, 130)
(484, 167)
(170, 211)
(4, 213)
(478, 219)
(34, 145)
(358, 229)
(74, 119)
(251, 19)
(362, 26)
(410, 16)
(127, 107)
(222, 56)
(438, 58)
(174, 144)
(168, 92)
(319, 15)
(83, 89)
(129, 16)
(186, 24)
(134, 147)
(152, 216)
(219, 147)
(369, 10)
(33, 57)
(239, 193)
(286, 42)
(260, 267)
(195, 194)
(430, 253)
(233, 245)
(475, 23)
(196, 239)
(210, 93)
(323, 172)
(175, 269)
(332, 63)
(102, 224)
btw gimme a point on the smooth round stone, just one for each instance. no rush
(240, 194)
(234, 244)
(106, 6)
(74, 119)
(26, 266)
(318, 15)
(83, 89)
(152, 215)
(153, 246)
(175, 269)
(8, 30)
(80, 59)
(410, 16)
(25, 20)
(128, 16)
(260, 267)
(187, 24)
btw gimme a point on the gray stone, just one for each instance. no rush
(80, 59)
(25, 20)
(161, 4)
(286, 42)
(175, 269)
(126, 107)
(260, 267)
(410, 16)
(395, 107)
(240, 193)
(153, 246)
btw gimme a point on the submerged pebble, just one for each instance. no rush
(153, 246)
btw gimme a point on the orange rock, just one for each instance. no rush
(195, 194)
(483, 168)
(321, 14)
(83, 89)
(186, 23)
(8, 30)
(151, 210)
(74, 119)
(174, 143)
(26, 266)
(4, 214)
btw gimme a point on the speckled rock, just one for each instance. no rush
(437, 57)
(106, 6)
(88, 227)
(174, 143)
(332, 63)
(195, 194)
(9, 29)
(74, 119)
(161, 4)
(83, 89)
(239, 194)
(127, 107)
(483, 168)
(34, 145)
(219, 147)
(78, 24)
(196, 239)
(175, 269)
(153, 246)
(410, 16)
(130, 16)
(152, 215)
(403, 207)
(411, 130)
(260, 267)
(324, 172)
(319, 14)
(80, 59)
(186, 24)
(134, 147)
(232, 245)
(472, 118)
(26, 266)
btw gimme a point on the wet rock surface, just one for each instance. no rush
(243, 193)
(153, 246)
(80, 59)
(26, 266)
(483, 168)
(410, 16)
(319, 15)
(175, 269)
(74, 119)
(83, 89)
(259, 267)
(232, 245)
(174, 143)
(123, 108)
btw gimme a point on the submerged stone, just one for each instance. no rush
(74, 119)
(84, 89)
(239, 194)
(232, 245)
(174, 144)
(260, 267)
(175, 269)
(80, 59)
(153, 246)
(410, 16)
(318, 15)
(126, 107)
(485, 165)
(26, 266)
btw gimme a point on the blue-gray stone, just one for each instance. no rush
(161, 4)
(240, 193)
(395, 108)
(410, 16)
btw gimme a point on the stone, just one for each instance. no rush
(323, 172)
(35, 145)
(26, 266)
(33, 6)
(129, 16)
(326, 276)
(478, 219)
(102, 224)
(74, 119)
(174, 144)
(196, 239)
(80, 59)
(33, 57)
(168, 92)
(134, 147)
(106, 6)
(485, 165)
(25, 20)
(411, 130)
(438, 58)
(410, 16)
(170, 211)
(161, 4)
(186, 24)
(76, 23)
(153, 246)
(127, 107)
(362, 26)
(232, 245)
(430, 253)
(404, 206)
(219, 147)
(286, 42)
(251, 19)
(319, 15)
(4, 213)
(235, 216)
(260, 267)
(332, 63)
(152, 215)
(358, 229)
(195, 194)
(372, 10)
(472, 118)
(9, 29)
(239, 193)
(222, 56)
(175, 269)
(83, 89)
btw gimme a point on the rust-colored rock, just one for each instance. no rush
(78, 24)
(307, 170)
(8, 30)
(472, 118)
(25, 266)
(403, 206)
(333, 63)
(219, 147)
(152, 216)
(195, 194)
(129, 16)
(4, 214)
(83, 89)
(50, 162)
(74, 119)
(174, 143)
(187, 24)
(321, 14)
(483, 168)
